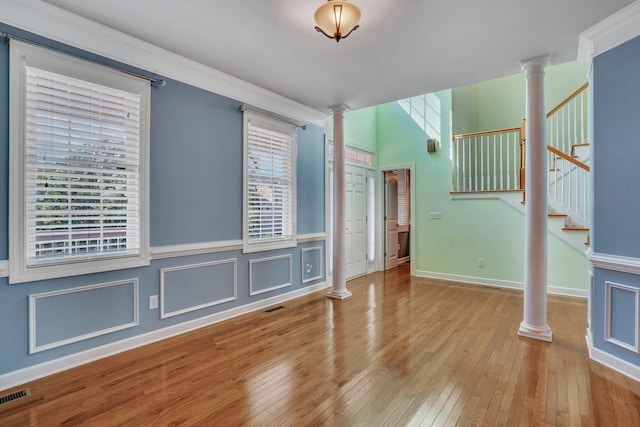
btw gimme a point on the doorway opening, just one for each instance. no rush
(397, 218)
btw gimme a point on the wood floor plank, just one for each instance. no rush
(401, 351)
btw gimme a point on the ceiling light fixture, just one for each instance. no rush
(337, 19)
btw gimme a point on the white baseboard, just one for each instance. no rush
(498, 283)
(32, 373)
(625, 368)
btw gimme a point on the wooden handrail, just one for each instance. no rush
(568, 158)
(488, 132)
(568, 99)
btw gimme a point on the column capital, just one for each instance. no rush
(339, 109)
(537, 63)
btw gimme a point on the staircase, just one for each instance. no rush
(493, 162)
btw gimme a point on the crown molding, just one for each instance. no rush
(620, 27)
(62, 26)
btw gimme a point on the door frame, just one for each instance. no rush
(381, 229)
(371, 171)
(389, 178)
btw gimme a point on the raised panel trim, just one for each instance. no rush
(41, 370)
(302, 265)
(164, 314)
(273, 258)
(615, 262)
(57, 24)
(608, 312)
(35, 348)
(188, 249)
(556, 290)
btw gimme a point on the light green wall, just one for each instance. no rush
(465, 109)
(469, 229)
(359, 127)
(501, 103)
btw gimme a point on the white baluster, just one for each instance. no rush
(470, 186)
(582, 121)
(495, 165)
(508, 165)
(475, 169)
(501, 163)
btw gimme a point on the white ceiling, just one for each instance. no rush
(403, 48)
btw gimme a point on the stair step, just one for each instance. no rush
(557, 215)
(575, 228)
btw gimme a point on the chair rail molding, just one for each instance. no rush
(200, 248)
(615, 262)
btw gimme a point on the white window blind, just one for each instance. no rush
(402, 197)
(82, 168)
(270, 185)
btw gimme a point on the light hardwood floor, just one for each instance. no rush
(400, 351)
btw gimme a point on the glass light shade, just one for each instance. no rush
(337, 19)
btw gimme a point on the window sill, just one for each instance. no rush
(20, 273)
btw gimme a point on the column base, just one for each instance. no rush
(339, 294)
(542, 334)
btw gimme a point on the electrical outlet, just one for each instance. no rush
(153, 302)
(480, 262)
(309, 267)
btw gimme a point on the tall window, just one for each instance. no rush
(79, 137)
(270, 184)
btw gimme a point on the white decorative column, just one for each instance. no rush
(339, 288)
(534, 324)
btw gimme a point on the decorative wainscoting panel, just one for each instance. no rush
(267, 274)
(66, 316)
(311, 260)
(192, 287)
(621, 315)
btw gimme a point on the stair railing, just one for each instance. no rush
(567, 122)
(569, 185)
(495, 160)
(487, 161)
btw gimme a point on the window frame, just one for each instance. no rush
(287, 129)
(24, 55)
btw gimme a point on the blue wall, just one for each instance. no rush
(196, 196)
(616, 232)
(616, 96)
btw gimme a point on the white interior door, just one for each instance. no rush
(391, 221)
(355, 221)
